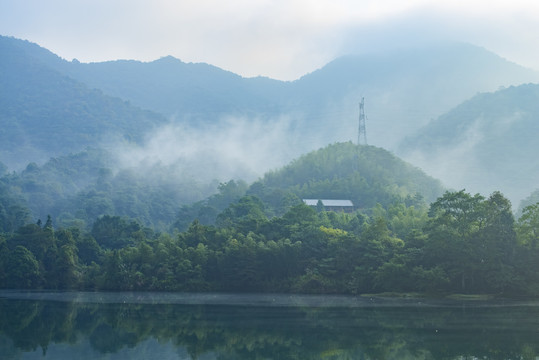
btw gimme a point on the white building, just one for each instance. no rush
(332, 205)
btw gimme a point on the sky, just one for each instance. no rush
(281, 39)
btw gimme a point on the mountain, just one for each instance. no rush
(45, 113)
(167, 86)
(403, 90)
(406, 88)
(485, 144)
(195, 92)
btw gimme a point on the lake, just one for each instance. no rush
(75, 325)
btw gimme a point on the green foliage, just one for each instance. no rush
(474, 241)
(532, 199)
(364, 174)
(263, 238)
(78, 188)
(23, 269)
(528, 226)
(464, 244)
(206, 211)
(114, 232)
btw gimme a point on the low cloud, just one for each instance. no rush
(234, 148)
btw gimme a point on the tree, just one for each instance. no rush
(528, 227)
(497, 245)
(66, 270)
(473, 240)
(114, 232)
(245, 215)
(376, 247)
(22, 269)
(454, 220)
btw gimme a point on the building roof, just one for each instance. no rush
(326, 202)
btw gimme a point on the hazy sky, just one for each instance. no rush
(283, 39)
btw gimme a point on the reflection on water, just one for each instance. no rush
(208, 326)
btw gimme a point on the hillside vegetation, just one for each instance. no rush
(463, 244)
(79, 188)
(366, 175)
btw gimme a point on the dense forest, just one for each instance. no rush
(461, 243)
(263, 238)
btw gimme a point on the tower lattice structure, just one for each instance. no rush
(362, 132)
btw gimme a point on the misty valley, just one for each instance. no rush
(180, 209)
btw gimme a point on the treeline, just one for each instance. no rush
(462, 243)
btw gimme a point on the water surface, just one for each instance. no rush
(74, 325)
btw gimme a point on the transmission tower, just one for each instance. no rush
(362, 132)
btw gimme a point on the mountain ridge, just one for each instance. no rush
(44, 94)
(404, 89)
(47, 113)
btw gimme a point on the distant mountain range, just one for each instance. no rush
(51, 107)
(80, 103)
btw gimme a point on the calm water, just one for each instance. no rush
(208, 326)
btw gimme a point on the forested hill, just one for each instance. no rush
(366, 175)
(45, 113)
(77, 189)
(487, 143)
(191, 92)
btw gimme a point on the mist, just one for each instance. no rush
(484, 153)
(232, 148)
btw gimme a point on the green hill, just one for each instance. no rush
(367, 175)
